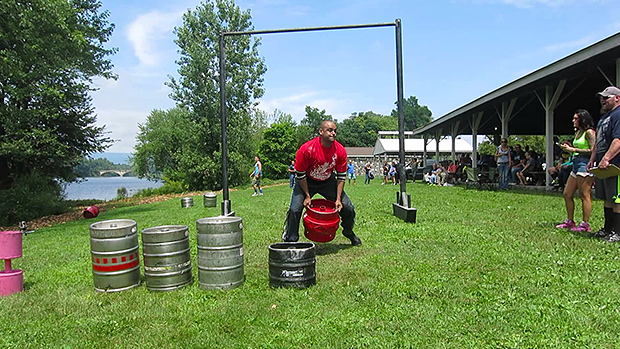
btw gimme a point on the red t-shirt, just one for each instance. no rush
(318, 162)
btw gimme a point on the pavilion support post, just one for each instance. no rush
(454, 130)
(437, 139)
(551, 101)
(617, 72)
(474, 123)
(506, 115)
(424, 151)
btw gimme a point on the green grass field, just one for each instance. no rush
(479, 269)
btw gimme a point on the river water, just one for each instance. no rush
(104, 188)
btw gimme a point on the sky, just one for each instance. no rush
(453, 52)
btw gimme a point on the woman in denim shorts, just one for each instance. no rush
(580, 179)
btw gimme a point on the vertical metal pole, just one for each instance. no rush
(617, 72)
(549, 111)
(401, 115)
(226, 201)
(437, 140)
(424, 151)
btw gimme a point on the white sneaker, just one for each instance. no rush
(260, 194)
(254, 194)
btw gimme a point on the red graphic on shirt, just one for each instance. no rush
(319, 162)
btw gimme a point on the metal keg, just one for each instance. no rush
(187, 202)
(114, 250)
(220, 252)
(292, 264)
(210, 199)
(167, 262)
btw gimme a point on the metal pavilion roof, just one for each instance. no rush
(389, 146)
(585, 72)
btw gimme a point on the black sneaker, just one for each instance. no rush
(601, 234)
(355, 240)
(613, 237)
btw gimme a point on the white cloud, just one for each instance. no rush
(292, 104)
(281, 7)
(119, 129)
(295, 105)
(534, 3)
(574, 44)
(145, 32)
(531, 3)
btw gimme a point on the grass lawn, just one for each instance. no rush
(479, 269)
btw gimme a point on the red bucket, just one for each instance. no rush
(321, 220)
(91, 212)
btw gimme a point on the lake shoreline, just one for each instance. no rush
(107, 188)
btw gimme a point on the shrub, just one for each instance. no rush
(169, 187)
(121, 193)
(31, 196)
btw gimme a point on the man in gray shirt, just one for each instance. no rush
(606, 152)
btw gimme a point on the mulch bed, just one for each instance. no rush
(76, 213)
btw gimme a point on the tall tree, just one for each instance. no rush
(361, 129)
(165, 143)
(197, 88)
(49, 52)
(416, 115)
(309, 126)
(278, 149)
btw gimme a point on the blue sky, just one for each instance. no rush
(453, 52)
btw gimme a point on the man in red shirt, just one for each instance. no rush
(315, 164)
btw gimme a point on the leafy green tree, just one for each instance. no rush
(535, 143)
(280, 117)
(50, 50)
(164, 144)
(487, 147)
(197, 89)
(416, 115)
(278, 148)
(309, 126)
(361, 129)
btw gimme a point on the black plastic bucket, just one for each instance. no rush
(292, 264)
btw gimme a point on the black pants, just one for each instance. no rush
(328, 190)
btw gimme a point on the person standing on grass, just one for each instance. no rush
(321, 168)
(291, 174)
(367, 169)
(386, 172)
(605, 153)
(392, 172)
(351, 172)
(502, 158)
(256, 176)
(579, 178)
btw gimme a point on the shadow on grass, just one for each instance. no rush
(325, 249)
(27, 285)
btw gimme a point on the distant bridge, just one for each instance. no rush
(118, 172)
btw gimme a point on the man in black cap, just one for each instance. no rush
(606, 152)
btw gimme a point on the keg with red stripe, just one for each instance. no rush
(114, 252)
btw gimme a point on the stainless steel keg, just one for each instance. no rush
(220, 252)
(114, 252)
(167, 262)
